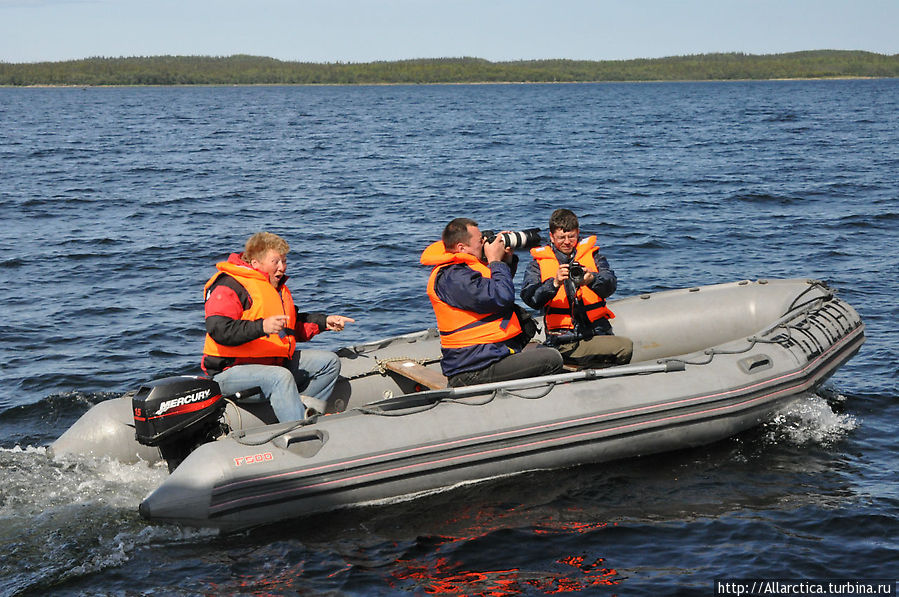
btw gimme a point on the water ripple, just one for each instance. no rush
(118, 201)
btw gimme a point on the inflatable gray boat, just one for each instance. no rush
(709, 362)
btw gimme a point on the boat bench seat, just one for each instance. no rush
(418, 373)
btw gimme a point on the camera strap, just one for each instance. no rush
(583, 328)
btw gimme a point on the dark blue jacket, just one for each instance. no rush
(460, 286)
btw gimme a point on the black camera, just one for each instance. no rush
(576, 273)
(517, 241)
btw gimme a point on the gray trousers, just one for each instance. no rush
(598, 351)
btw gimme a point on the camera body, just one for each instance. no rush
(517, 241)
(576, 273)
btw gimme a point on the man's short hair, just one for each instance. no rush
(260, 243)
(457, 232)
(563, 219)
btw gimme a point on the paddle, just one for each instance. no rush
(430, 397)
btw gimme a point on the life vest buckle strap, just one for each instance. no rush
(599, 305)
(487, 319)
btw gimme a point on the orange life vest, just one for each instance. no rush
(460, 328)
(266, 301)
(557, 312)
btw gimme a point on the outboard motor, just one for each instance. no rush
(178, 414)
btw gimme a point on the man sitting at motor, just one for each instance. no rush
(253, 326)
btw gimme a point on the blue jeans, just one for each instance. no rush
(313, 372)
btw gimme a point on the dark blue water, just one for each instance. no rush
(116, 203)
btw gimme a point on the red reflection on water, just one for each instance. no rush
(436, 569)
(569, 527)
(594, 572)
(495, 583)
(443, 576)
(440, 579)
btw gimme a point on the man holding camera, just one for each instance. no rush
(569, 281)
(482, 330)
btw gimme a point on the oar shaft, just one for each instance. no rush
(422, 398)
(529, 382)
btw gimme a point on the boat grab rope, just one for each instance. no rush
(797, 320)
(711, 352)
(380, 366)
(829, 293)
(400, 412)
(546, 388)
(240, 435)
(372, 347)
(237, 410)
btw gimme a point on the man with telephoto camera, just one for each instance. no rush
(483, 332)
(569, 281)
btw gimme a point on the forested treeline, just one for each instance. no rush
(254, 70)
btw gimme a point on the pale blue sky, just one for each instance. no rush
(366, 30)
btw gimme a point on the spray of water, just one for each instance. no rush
(811, 420)
(67, 518)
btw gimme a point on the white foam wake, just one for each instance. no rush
(811, 419)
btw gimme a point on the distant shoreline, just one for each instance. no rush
(113, 86)
(240, 70)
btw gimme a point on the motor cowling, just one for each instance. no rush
(177, 414)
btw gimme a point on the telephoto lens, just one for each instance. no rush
(517, 241)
